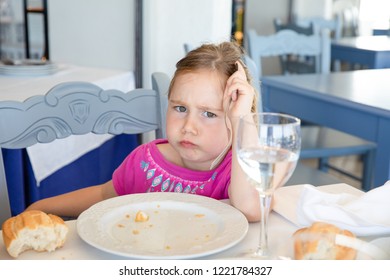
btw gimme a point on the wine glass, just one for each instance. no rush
(268, 147)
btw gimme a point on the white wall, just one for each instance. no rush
(96, 33)
(374, 14)
(259, 15)
(168, 24)
(313, 8)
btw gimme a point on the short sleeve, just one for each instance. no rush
(124, 176)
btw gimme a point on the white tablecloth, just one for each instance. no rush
(280, 231)
(75, 248)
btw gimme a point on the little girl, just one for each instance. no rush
(209, 91)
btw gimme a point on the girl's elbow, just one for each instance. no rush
(252, 215)
(251, 211)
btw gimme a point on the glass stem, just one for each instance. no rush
(265, 205)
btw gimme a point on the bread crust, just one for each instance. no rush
(17, 232)
(141, 217)
(318, 242)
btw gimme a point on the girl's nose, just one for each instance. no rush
(189, 126)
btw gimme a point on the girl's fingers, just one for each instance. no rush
(239, 91)
(237, 77)
(240, 70)
(239, 74)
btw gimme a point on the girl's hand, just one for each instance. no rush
(239, 93)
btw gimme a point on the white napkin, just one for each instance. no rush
(362, 213)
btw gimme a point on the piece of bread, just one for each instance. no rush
(319, 242)
(33, 230)
(141, 217)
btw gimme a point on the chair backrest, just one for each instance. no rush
(187, 47)
(254, 72)
(75, 108)
(306, 29)
(289, 42)
(292, 63)
(335, 25)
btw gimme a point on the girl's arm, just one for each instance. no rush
(73, 203)
(242, 193)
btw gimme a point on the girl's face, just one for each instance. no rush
(196, 126)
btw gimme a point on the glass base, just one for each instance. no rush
(255, 256)
(258, 255)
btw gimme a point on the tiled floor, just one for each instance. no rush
(351, 164)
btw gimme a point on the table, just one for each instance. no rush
(27, 179)
(280, 232)
(76, 248)
(21, 87)
(372, 51)
(356, 102)
(379, 32)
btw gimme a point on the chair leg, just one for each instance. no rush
(366, 178)
(323, 164)
(368, 168)
(336, 66)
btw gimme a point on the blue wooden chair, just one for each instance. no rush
(289, 42)
(317, 142)
(292, 63)
(318, 24)
(187, 48)
(335, 25)
(75, 108)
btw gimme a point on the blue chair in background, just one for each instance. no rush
(318, 24)
(292, 63)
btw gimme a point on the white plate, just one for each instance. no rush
(180, 226)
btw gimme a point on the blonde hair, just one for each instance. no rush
(215, 57)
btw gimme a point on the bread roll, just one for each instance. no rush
(141, 217)
(33, 230)
(318, 242)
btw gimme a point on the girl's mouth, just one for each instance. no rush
(187, 144)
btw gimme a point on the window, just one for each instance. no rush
(375, 14)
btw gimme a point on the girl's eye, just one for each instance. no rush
(180, 109)
(209, 115)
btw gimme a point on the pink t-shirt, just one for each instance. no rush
(146, 170)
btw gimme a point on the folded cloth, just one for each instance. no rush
(361, 213)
